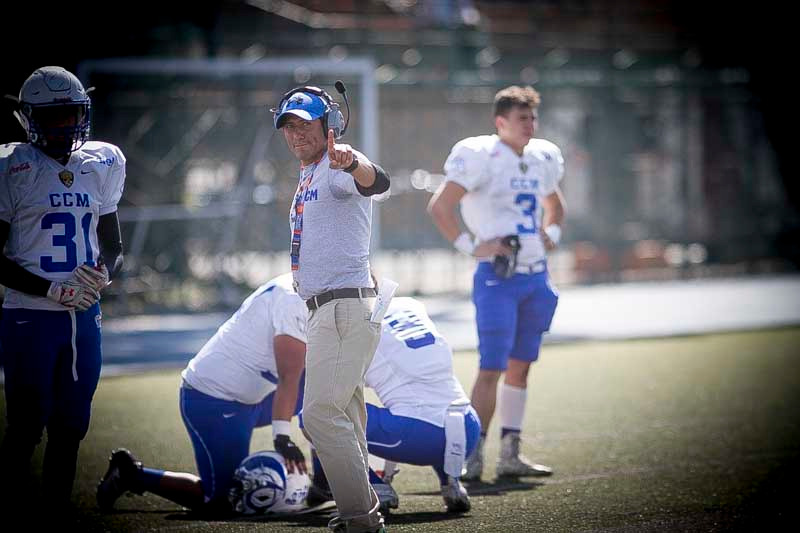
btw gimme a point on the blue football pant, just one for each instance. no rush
(52, 363)
(511, 315)
(412, 441)
(220, 432)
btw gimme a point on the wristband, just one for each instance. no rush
(464, 244)
(554, 232)
(281, 427)
(352, 167)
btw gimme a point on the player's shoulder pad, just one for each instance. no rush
(469, 158)
(16, 159)
(479, 146)
(283, 288)
(16, 150)
(544, 147)
(404, 303)
(282, 282)
(104, 153)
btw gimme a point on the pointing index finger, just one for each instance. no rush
(330, 142)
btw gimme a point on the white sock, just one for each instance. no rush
(512, 406)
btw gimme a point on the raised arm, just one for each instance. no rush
(370, 178)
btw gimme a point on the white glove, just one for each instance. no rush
(95, 277)
(73, 294)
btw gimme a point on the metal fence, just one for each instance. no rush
(669, 173)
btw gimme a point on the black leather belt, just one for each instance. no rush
(321, 299)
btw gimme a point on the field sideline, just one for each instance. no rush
(696, 433)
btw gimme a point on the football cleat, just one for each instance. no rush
(337, 525)
(391, 470)
(455, 496)
(387, 496)
(511, 463)
(474, 467)
(121, 477)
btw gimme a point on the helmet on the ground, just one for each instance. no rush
(263, 486)
(54, 109)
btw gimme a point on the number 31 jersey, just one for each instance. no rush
(53, 210)
(505, 190)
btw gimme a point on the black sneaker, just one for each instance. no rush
(318, 495)
(121, 477)
(387, 497)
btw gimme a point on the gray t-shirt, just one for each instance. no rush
(335, 232)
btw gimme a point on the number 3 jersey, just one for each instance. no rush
(505, 190)
(412, 371)
(53, 210)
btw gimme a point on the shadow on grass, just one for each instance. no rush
(301, 520)
(481, 488)
(317, 520)
(499, 486)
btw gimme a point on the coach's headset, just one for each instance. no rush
(332, 118)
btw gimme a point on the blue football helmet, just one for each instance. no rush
(263, 486)
(54, 109)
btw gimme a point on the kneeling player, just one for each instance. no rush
(426, 418)
(248, 375)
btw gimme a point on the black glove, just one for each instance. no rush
(288, 449)
(505, 265)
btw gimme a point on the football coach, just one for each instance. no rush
(331, 223)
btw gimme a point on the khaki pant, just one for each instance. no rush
(341, 345)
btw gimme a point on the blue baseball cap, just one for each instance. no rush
(307, 106)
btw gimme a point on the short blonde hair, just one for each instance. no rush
(515, 96)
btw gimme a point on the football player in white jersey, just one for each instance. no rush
(61, 245)
(507, 187)
(229, 389)
(249, 374)
(426, 418)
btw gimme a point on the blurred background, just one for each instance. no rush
(675, 120)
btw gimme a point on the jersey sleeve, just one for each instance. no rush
(289, 316)
(6, 201)
(467, 164)
(114, 183)
(554, 169)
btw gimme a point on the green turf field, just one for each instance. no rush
(693, 433)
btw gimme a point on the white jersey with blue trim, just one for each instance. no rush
(53, 210)
(412, 371)
(238, 362)
(505, 190)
